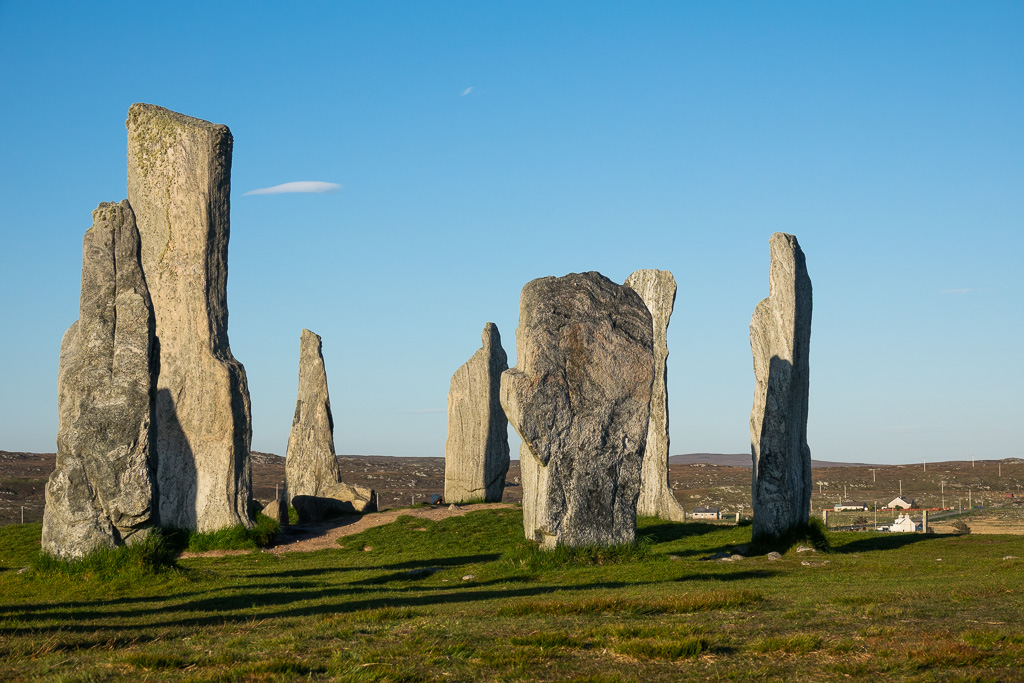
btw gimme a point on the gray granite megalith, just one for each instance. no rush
(179, 182)
(658, 290)
(476, 452)
(780, 338)
(580, 398)
(101, 492)
(312, 480)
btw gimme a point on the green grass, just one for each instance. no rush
(233, 538)
(468, 599)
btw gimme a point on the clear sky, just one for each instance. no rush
(480, 145)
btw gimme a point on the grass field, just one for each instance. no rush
(467, 599)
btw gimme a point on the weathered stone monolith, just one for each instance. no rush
(179, 182)
(580, 398)
(313, 482)
(101, 492)
(476, 452)
(780, 338)
(658, 290)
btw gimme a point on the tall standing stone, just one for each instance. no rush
(580, 398)
(476, 452)
(658, 290)
(179, 182)
(313, 482)
(780, 339)
(101, 492)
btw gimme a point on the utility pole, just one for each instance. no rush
(901, 488)
(972, 459)
(845, 497)
(873, 470)
(876, 515)
(924, 461)
(1000, 465)
(970, 498)
(943, 485)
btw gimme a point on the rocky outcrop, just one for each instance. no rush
(580, 398)
(780, 338)
(101, 492)
(179, 181)
(476, 452)
(314, 486)
(658, 290)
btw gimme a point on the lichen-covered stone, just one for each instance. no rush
(580, 398)
(313, 482)
(179, 183)
(476, 453)
(780, 338)
(658, 290)
(101, 492)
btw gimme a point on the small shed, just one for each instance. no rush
(706, 513)
(851, 505)
(900, 503)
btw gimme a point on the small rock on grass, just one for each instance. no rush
(469, 577)
(1011, 557)
(774, 555)
(805, 549)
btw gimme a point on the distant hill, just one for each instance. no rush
(743, 460)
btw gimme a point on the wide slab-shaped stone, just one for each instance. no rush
(179, 184)
(780, 339)
(476, 453)
(101, 492)
(314, 486)
(580, 398)
(658, 290)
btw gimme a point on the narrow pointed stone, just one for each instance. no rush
(780, 338)
(476, 452)
(100, 493)
(313, 483)
(580, 398)
(658, 290)
(179, 185)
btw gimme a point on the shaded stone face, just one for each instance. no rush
(580, 398)
(780, 337)
(179, 182)
(476, 453)
(658, 290)
(314, 486)
(101, 492)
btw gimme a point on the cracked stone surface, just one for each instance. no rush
(580, 398)
(179, 183)
(100, 493)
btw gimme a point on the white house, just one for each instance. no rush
(904, 523)
(706, 513)
(851, 505)
(900, 504)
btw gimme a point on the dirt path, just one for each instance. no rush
(309, 537)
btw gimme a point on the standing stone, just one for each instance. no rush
(658, 290)
(313, 482)
(580, 398)
(476, 452)
(101, 492)
(780, 339)
(179, 182)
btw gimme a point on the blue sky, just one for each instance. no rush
(480, 145)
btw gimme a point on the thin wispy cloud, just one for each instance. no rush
(298, 187)
(421, 411)
(957, 291)
(467, 91)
